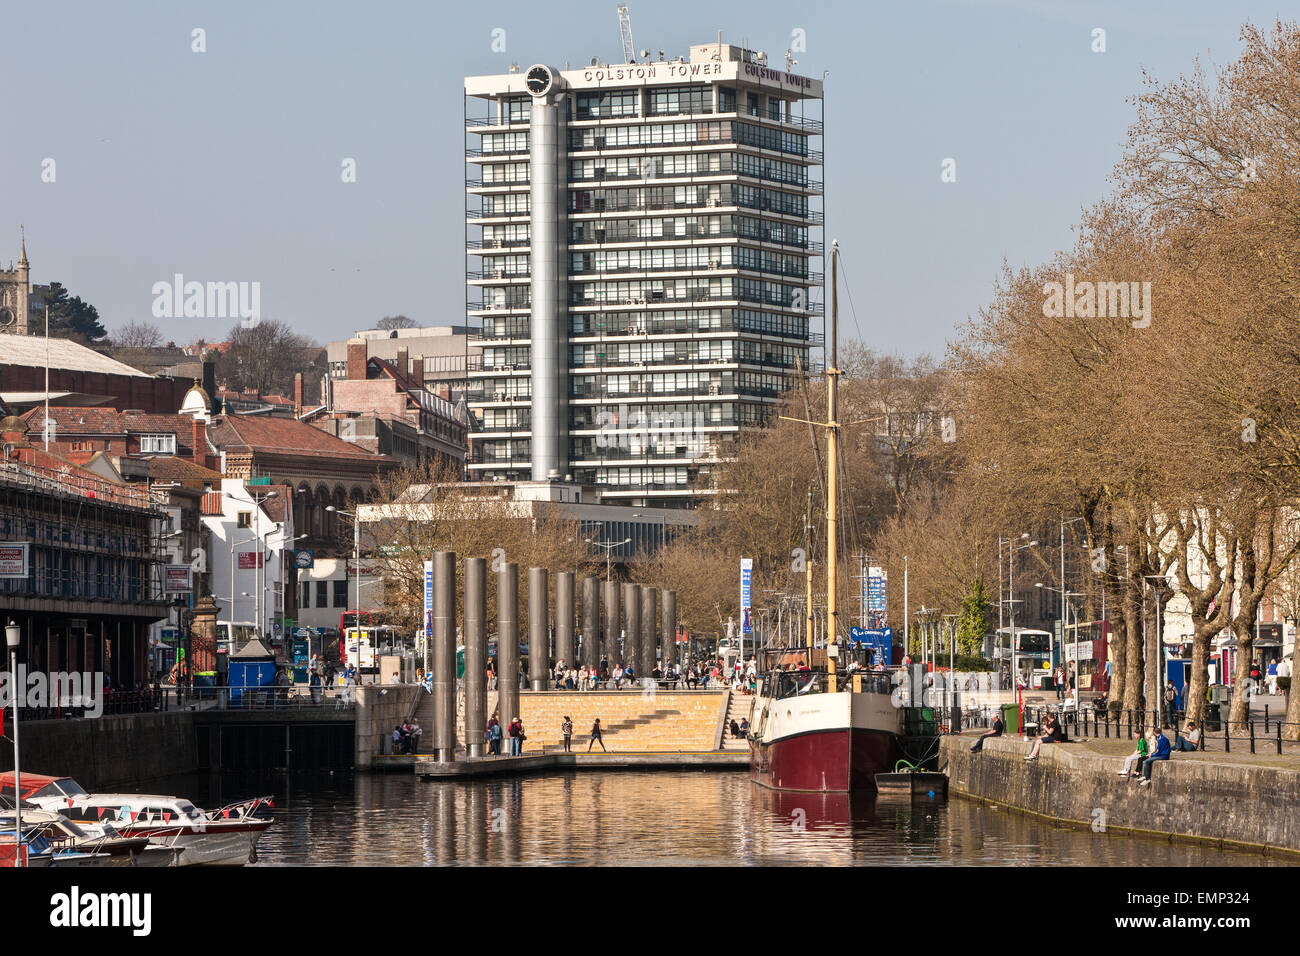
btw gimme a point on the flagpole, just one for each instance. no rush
(47, 378)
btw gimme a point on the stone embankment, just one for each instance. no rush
(1238, 800)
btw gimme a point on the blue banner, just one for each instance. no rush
(746, 579)
(880, 640)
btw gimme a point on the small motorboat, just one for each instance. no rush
(223, 837)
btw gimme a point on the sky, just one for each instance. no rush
(226, 165)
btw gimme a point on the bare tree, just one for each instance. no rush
(137, 335)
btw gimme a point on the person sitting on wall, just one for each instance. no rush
(1139, 755)
(1053, 735)
(996, 731)
(1161, 753)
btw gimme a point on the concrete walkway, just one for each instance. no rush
(543, 763)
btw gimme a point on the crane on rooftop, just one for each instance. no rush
(625, 33)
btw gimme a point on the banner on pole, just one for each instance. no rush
(877, 598)
(746, 588)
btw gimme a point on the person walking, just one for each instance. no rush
(514, 732)
(595, 736)
(566, 730)
(494, 736)
(1171, 703)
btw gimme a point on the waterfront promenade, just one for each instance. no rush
(1232, 798)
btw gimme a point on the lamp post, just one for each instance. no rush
(608, 546)
(259, 569)
(356, 561)
(1064, 522)
(13, 637)
(1011, 593)
(1154, 660)
(284, 598)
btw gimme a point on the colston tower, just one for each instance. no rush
(647, 265)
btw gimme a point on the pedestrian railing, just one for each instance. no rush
(1253, 733)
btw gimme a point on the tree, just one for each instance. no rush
(425, 508)
(973, 622)
(390, 322)
(70, 317)
(263, 358)
(137, 335)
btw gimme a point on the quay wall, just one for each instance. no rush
(108, 752)
(1231, 804)
(380, 708)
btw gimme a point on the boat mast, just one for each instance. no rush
(832, 475)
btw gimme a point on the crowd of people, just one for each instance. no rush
(406, 737)
(701, 674)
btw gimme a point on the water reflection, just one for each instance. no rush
(657, 819)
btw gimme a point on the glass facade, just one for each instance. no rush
(689, 218)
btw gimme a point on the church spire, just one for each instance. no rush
(22, 257)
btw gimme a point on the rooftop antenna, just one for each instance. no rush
(625, 34)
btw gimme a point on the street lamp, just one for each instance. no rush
(609, 546)
(284, 602)
(259, 579)
(13, 637)
(1011, 591)
(356, 560)
(1154, 660)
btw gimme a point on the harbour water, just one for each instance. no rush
(654, 818)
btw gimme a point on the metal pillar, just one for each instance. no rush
(668, 627)
(475, 657)
(539, 619)
(612, 647)
(590, 622)
(564, 618)
(632, 615)
(507, 644)
(444, 655)
(649, 631)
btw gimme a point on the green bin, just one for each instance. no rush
(1011, 718)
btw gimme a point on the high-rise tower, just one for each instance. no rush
(645, 260)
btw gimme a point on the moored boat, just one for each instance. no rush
(224, 837)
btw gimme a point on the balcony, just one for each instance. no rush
(497, 243)
(489, 274)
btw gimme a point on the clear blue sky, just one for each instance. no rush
(225, 165)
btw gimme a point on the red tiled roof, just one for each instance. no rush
(283, 436)
(94, 420)
(180, 469)
(211, 504)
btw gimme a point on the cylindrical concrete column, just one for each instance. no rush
(649, 632)
(444, 655)
(668, 628)
(564, 619)
(549, 275)
(590, 622)
(539, 619)
(611, 645)
(632, 625)
(507, 645)
(475, 657)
